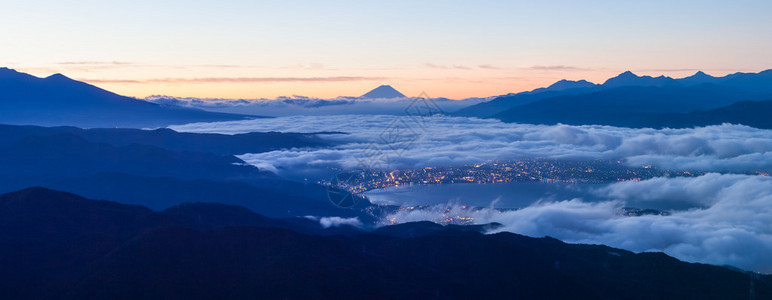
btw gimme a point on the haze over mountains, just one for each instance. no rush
(637, 101)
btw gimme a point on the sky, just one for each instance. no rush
(454, 49)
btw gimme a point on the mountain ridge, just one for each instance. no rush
(59, 100)
(158, 168)
(637, 100)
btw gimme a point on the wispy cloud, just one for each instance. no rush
(90, 66)
(223, 66)
(125, 63)
(556, 68)
(111, 80)
(668, 70)
(87, 66)
(238, 79)
(94, 63)
(489, 67)
(447, 67)
(308, 66)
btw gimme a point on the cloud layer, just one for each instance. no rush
(239, 79)
(328, 222)
(300, 105)
(413, 141)
(734, 228)
(727, 218)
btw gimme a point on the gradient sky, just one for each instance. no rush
(456, 49)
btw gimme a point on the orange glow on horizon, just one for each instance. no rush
(233, 82)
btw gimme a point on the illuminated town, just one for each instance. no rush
(559, 171)
(547, 171)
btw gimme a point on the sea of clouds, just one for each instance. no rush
(729, 222)
(406, 142)
(733, 228)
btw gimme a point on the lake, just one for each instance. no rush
(506, 195)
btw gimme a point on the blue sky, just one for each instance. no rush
(251, 49)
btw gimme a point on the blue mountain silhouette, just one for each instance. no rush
(698, 78)
(630, 79)
(384, 91)
(632, 100)
(59, 100)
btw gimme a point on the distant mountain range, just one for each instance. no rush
(57, 100)
(63, 246)
(625, 100)
(384, 91)
(383, 101)
(637, 101)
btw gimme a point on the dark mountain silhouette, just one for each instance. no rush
(502, 103)
(273, 197)
(567, 84)
(698, 78)
(384, 91)
(45, 156)
(151, 168)
(629, 79)
(622, 106)
(55, 236)
(758, 83)
(59, 245)
(208, 216)
(222, 144)
(636, 99)
(751, 113)
(57, 100)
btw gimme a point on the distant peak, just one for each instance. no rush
(8, 73)
(57, 76)
(7, 70)
(383, 91)
(701, 74)
(564, 84)
(698, 78)
(629, 79)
